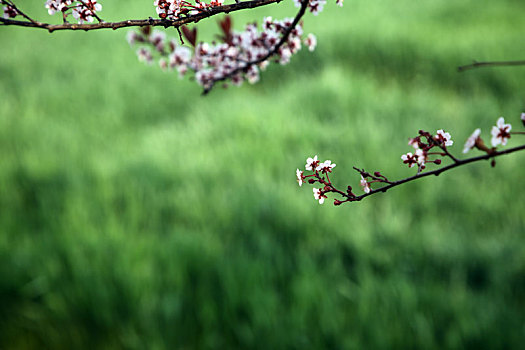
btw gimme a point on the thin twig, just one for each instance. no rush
(490, 64)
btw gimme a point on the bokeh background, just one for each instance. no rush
(136, 214)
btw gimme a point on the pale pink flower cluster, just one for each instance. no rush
(83, 11)
(9, 12)
(442, 140)
(318, 168)
(232, 58)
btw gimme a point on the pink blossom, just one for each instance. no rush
(54, 6)
(500, 133)
(310, 42)
(364, 185)
(471, 141)
(144, 55)
(418, 158)
(300, 177)
(443, 138)
(325, 167)
(414, 142)
(311, 163)
(319, 195)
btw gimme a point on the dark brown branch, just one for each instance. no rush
(436, 172)
(490, 64)
(284, 38)
(141, 22)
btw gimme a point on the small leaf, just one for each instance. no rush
(190, 35)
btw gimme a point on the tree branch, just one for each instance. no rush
(141, 22)
(457, 163)
(490, 64)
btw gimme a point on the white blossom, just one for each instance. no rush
(364, 185)
(319, 195)
(444, 138)
(500, 133)
(471, 141)
(325, 167)
(299, 175)
(311, 163)
(310, 42)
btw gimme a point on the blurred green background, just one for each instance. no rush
(136, 214)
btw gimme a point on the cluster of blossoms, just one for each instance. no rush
(82, 10)
(173, 9)
(425, 146)
(239, 56)
(321, 171)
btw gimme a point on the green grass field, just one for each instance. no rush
(136, 214)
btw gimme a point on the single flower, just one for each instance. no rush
(444, 138)
(300, 177)
(471, 141)
(364, 185)
(319, 195)
(500, 133)
(311, 163)
(311, 42)
(414, 142)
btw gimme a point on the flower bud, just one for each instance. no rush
(337, 202)
(311, 181)
(437, 161)
(377, 173)
(327, 188)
